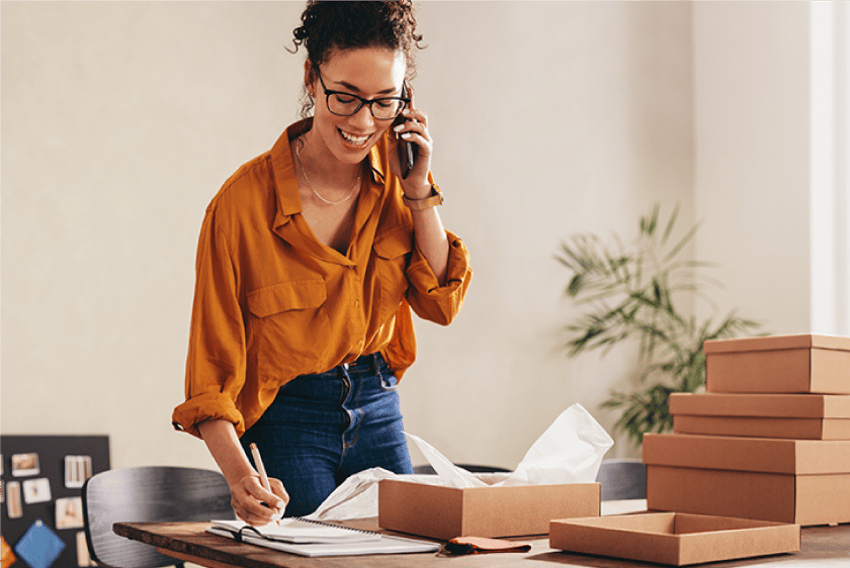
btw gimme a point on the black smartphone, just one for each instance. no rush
(406, 150)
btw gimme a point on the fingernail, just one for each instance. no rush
(406, 135)
(398, 127)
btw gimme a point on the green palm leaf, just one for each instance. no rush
(643, 282)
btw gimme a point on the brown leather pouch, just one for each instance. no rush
(479, 545)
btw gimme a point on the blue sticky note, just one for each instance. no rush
(40, 546)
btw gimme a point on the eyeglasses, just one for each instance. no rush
(346, 104)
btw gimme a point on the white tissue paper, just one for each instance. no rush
(569, 451)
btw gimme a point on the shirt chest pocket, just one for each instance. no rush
(287, 296)
(288, 326)
(392, 257)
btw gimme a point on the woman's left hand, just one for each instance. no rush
(415, 131)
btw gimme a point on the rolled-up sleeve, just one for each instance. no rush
(428, 299)
(216, 362)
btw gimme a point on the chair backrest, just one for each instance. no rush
(472, 468)
(148, 494)
(622, 479)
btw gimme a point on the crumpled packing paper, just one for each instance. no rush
(569, 451)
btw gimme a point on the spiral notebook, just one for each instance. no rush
(313, 538)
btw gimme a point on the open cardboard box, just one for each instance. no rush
(794, 481)
(797, 416)
(441, 512)
(677, 539)
(778, 364)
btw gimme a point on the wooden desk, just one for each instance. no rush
(189, 542)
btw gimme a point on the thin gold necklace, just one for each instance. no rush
(310, 185)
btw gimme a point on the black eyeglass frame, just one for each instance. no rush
(370, 102)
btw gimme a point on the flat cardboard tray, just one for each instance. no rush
(805, 363)
(441, 512)
(677, 539)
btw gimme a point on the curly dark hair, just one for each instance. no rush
(326, 26)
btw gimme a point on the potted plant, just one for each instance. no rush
(633, 292)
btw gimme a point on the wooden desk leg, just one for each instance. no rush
(194, 559)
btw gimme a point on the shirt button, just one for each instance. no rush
(356, 303)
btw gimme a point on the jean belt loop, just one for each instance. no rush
(385, 380)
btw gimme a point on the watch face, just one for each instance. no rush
(439, 194)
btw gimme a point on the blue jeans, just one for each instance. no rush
(322, 428)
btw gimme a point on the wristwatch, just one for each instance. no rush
(436, 198)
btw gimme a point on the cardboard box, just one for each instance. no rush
(778, 364)
(678, 539)
(799, 428)
(804, 499)
(794, 481)
(798, 416)
(440, 512)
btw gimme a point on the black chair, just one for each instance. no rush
(472, 468)
(622, 479)
(147, 494)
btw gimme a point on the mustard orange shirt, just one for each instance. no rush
(272, 302)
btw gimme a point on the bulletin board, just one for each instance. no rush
(42, 479)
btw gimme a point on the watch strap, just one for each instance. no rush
(436, 198)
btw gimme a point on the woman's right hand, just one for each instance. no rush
(246, 491)
(249, 499)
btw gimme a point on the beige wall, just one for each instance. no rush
(771, 154)
(121, 120)
(751, 70)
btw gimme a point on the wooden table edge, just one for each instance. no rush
(196, 554)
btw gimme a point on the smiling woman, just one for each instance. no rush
(311, 259)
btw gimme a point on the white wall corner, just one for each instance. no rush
(829, 159)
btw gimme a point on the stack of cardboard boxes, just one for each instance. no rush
(769, 440)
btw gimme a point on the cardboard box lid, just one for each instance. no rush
(776, 342)
(674, 538)
(761, 405)
(768, 455)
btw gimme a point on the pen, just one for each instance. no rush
(264, 478)
(258, 461)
